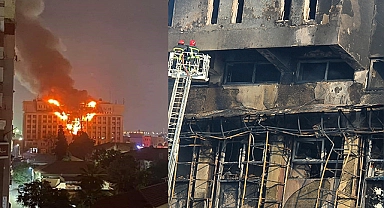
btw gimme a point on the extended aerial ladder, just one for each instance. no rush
(183, 67)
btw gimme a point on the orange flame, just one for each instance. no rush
(54, 102)
(74, 124)
(62, 115)
(91, 104)
(89, 116)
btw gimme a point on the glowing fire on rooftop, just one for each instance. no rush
(84, 113)
(91, 104)
(54, 102)
(62, 116)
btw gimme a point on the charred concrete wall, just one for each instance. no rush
(356, 29)
(353, 25)
(377, 45)
(269, 97)
(286, 78)
(261, 21)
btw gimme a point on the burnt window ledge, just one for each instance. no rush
(328, 81)
(236, 85)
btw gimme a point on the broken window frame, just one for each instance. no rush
(254, 73)
(372, 162)
(296, 148)
(323, 156)
(299, 71)
(370, 76)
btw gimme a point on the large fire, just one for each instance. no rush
(54, 102)
(74, 120)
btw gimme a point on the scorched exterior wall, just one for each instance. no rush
(225, 120)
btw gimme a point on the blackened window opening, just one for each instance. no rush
(312, 9)
(251, 72)
(287, 9)
(215, 12)
(240, 8)
(171, 6)
(327, 70)
(309, 155)
(377, 75)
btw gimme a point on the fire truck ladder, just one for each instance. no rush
(183, 71)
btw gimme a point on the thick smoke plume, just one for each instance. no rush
(40, 66)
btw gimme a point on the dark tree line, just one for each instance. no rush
(121, 170)
(81, 146)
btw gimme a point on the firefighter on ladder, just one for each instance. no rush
(193, 56)
(187, 56)
(179, 54)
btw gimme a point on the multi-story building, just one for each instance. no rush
(7, 58)
(107, 125)
(41, 124)
(292, 115)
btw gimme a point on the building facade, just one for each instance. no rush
(292, 115)
(40, 125)
(7, 59)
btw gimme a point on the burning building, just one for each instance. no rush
(102, 121)
(292, 115)
(43, 70)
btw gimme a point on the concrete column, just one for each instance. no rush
(298, 11)
(203, 174)
(225, 11)
(346, 191)
(276, 172)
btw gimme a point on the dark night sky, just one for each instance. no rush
(118, 50)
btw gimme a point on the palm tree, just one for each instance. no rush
(91, 183)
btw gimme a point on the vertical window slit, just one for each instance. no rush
(240, 8)
(171, 6)
(312, 9)
(215, 12)
(287, 9)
